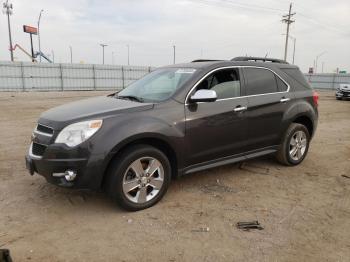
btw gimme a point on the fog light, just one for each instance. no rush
(70, 175)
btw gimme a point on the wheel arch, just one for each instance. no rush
(153, 140)
(306, 121)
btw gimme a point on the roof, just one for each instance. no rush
(210, 64)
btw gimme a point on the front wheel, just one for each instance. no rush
(295, 145)
(139, 177)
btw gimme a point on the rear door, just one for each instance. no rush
(268, 99)
(216, 129)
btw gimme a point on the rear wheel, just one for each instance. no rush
(139, 177)
(294, 146)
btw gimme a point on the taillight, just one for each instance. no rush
(315, 97)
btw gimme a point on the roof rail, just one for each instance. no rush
(258, 59)
(205, 60)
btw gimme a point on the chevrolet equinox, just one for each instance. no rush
(176, 120)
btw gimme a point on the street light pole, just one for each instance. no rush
(39, 33)
(71, 54)
(103, 53)
(318, 56)
(8, 10)
(174, 47)
(53, 56)
(128, 53)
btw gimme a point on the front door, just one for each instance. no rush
(216, 129)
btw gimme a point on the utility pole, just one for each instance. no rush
(294, 39)
(31, 44)
(71, 54)
(103, 53)
(39, 33)
(174, 48)
(8, 10)
(112, 57)
(287, 19)
(128, 53)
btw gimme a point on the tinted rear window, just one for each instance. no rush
(282, 87)
(296, 75)
(260, 81)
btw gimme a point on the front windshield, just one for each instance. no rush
(157, 86)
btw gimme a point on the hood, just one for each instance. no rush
(97, 107)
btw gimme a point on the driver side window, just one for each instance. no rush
(225, 83)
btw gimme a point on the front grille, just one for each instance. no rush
(38, 149)
(44, 129)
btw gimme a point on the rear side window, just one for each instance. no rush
(296, 75)
(224, 82)
(260, 81)
(282, 87)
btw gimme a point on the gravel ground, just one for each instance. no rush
(305, 210)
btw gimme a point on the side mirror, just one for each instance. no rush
(204, 95)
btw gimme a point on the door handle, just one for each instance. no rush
(240, 108)
(283, 100)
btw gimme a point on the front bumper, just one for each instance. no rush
(342, 94)
(58, 160)
(51, 170)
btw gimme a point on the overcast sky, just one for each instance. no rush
(219, 29)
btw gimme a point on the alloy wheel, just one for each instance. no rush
(297, 145)
(143, 180)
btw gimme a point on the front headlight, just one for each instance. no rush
(77, 133)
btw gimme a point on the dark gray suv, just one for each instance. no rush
(177, 120)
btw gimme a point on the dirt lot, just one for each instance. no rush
(305, 209)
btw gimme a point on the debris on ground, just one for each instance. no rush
(5, 255)
(246, 226)
(217, 188)
(202, 229)
(345, 176)
(255, 169)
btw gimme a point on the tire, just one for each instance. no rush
(128, 182)
(286, 154)
(338, 98)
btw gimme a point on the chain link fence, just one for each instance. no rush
(26, 76)
(22, 76)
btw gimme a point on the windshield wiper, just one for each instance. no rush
(132, 98)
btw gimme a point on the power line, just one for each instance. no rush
(325, 26)
(225, 3)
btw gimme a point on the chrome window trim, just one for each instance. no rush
(41, 133)
(228, 67)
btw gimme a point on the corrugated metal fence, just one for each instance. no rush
(62, 77)
(26, 76)
(327, 81)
